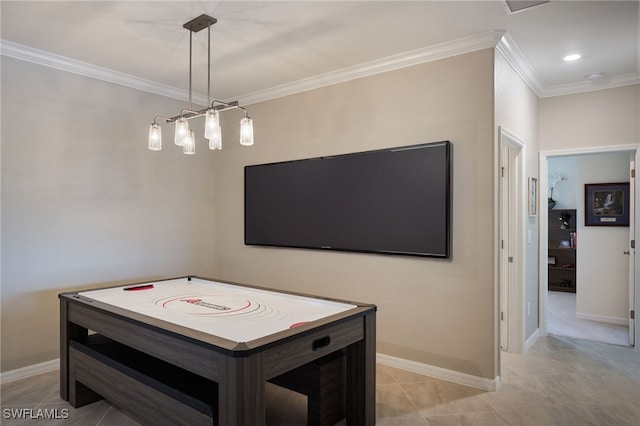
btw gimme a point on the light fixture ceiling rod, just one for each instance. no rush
(190, 61)
(209, 63)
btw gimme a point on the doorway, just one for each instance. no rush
(512, 187)
(603, 304)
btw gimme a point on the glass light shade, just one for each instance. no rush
(212, 121)
(155, 137)
(189, 146)
(246, 131)
(182, 131)
(212, 129)
(215, 141)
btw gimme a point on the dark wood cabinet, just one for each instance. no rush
(562, 250)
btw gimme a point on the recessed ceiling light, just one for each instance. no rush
(596, 76)
(572, 57)
(599, 78)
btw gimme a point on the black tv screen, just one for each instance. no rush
(392, 201)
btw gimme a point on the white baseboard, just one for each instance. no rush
(531, 340)
(440, 373)
(603, 318)
(403, 364)
(31, 370)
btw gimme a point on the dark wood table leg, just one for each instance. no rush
(68, 331)
(241, 390)
(361, 377)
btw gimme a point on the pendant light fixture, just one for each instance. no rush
(184, 136)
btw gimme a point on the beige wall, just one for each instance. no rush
(593, 119)
(85, 203)
(437, 312)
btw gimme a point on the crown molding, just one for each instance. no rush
(588, 86)
(406, 59)
(47, 59)
(402, 60)
(512, 54)
(508, 48)
(500, 40)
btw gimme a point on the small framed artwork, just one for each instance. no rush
(533, 196)
(606, 204)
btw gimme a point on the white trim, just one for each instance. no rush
(594, 150)
(508, 48)
(603, 318)
(47, 59)
(440, 373)
(531, 340)
(29, 371)
(543, 244)
(402, 60)
(516, 291)
(588, 86)
(500, 40)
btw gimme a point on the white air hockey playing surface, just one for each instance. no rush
(233, 312)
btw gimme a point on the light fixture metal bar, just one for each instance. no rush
(189, 114)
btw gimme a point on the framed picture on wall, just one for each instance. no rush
(606, 204)
(533, 196)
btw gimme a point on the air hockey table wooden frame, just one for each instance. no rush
(156, 366)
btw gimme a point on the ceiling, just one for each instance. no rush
(261, 45)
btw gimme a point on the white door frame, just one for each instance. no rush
(632, 249)
(544, 220)
(511, 249)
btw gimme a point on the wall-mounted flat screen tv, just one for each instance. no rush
(392, 201)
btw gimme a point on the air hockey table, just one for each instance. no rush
(196, 351)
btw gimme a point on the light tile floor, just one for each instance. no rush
(560, 381)
(562, 321)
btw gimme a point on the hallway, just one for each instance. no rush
(561, 321)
